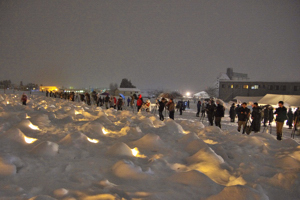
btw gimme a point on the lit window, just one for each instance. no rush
(245, 86)
(254, 87)
(231, 86)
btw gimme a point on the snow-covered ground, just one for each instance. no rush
(56, 149)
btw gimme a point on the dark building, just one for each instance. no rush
(229, 89)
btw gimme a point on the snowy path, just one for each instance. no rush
(55, 149)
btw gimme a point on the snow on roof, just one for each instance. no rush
(129, 89)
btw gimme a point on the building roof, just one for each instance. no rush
(129, 89)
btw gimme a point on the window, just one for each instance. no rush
(283, 87)
(296, 88)
(254, 87)
(223, 85)
(230, 86)
(276, 87)
(237, 86)
(245, 86)
(263, 86)
(270, 87)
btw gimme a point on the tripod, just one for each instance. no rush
(294, 129)
(268, 129)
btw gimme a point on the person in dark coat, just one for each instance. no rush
(266, 115)
(290, 115)
(188, 104)
(198, 108)
(219, 113)
(256, 117)
(210, 111)
(24, 99)
(243, 115)
(296, 117)
(281, 116)
(171, 107)
(203, 108)
(128, 101)
(161, 107)
(180, 106)
(232, 113)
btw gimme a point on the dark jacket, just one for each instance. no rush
(243, 113)
(297, 115)
(210, 109)
(256, 113)
(161, 106)
(266, 114)
(199, 105)
(219, 111)
(232, 112)
(290, 115)
(281, 114)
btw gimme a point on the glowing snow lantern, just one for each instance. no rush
(92, 140)
(77, 112)
(27, 117)
(104, 131)
(7, 102)
(33, 127)
(136, 153)
(29, 140)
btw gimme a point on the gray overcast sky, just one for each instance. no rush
(172, 44)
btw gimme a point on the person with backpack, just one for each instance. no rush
(281, 116)
(120, 103)
(219, 113)
(24, 99)
(139, 103)
(256, 117)
(243, 116)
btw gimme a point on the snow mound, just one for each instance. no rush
(150, 142)
(16, 135)
(7, 169)
(239, 192)
(174, 128)
(77, 139)
(92, 127)
(198, 179)
(205, 155)
(42, 197)
(186, 139)
(119, 149)
(126, 169)
(210, 130)
(194, 146)
(45, 148)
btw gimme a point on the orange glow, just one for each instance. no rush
(33, 127)
(92, 140)
(136, 153)
(29, 140)
(104, 131)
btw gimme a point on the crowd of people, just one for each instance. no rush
(214, 110)
(264, 115)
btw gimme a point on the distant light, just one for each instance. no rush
(188, 94)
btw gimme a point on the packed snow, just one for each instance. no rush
(58, 149)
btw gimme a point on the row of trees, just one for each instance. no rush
(7, 84)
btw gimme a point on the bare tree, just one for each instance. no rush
(211, 91)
